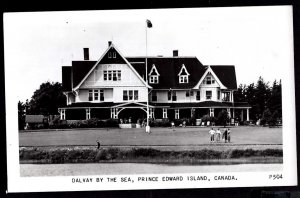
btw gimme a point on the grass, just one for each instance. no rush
(180, 138)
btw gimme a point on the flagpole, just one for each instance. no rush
(147, 126)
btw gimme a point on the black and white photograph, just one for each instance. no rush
(150, 99)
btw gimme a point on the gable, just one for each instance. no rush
(111, 58)
(214, 82)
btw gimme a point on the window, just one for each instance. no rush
(96, 95)
(114, 54)
(105, 75)
(184, 79)
(125, 96)
(226, 96)
(136, 95)
(198, 95)
(90, 95)
(169, 95)
(153, 75)
(174, 97)
(208, 80)
(183, 75)
(154, 79)
(109, 54)
(130, 95)
(109, 75)
(154, 96)
(119, 75)
(208, 95)
(101, 95)
(219, 95)
(187, 93)
(112, 75)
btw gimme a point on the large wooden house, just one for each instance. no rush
(115, 87)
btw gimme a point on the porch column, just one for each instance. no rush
(62, 114)
(112, 113)
(233, 114)
(116, 113)
(151, 113)
(229, 113)
(211, 112)
(176, 113)
(165, 114)
(247, 114)
(242, 115)
(88, 113)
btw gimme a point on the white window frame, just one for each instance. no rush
(153, 79)
(112, 75)
(114, 54)
(135, 95)
(109, 54)
(94, 93)
(206, 95)
(184, 79)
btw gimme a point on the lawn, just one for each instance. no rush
(181, 137)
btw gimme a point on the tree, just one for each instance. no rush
(47, 99)
(21, 115)
(223, 118)
(275, 99)
(239, 95)
(266, 117)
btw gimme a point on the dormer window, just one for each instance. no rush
(184, 79)
(183, 75)
(153, 75)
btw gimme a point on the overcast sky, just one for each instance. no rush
(257, 40)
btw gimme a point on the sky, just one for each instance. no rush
(257, 40)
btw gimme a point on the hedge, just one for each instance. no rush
(73, 155)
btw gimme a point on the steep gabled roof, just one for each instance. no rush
(80, 70)
(66, 78)
(105, 60)
(226, 74)
(168, 68)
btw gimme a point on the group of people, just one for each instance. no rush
(215, 136)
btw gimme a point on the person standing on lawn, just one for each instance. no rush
(228, 135)
(98, 144)
(225, 135)
(218, 133)
(212, 135)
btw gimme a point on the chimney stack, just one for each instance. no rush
(109, 43)
(86, 53)
(175, 53)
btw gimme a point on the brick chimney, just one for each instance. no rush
(175, 53)
(86, 55)
(109, 43)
